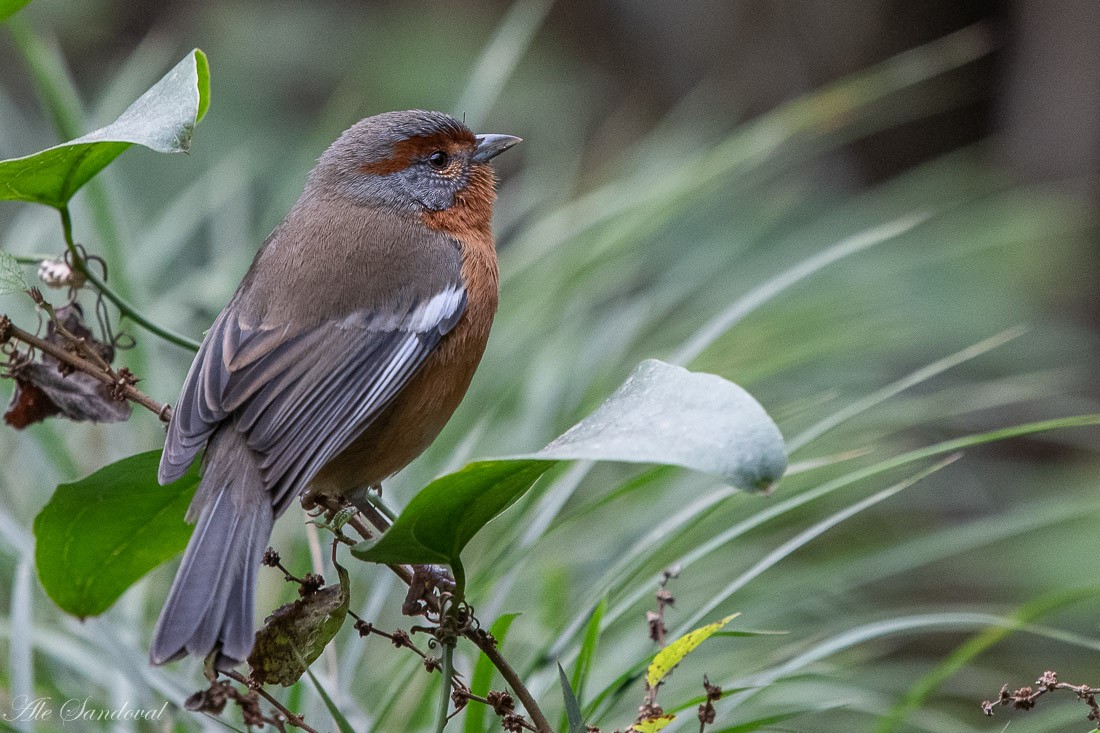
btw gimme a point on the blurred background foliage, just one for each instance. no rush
(685, 166)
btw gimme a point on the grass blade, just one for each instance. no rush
(974, 646)
(20, 660)
(924, 373)
(808, 535)
(337, 716)
(499, 59)
(752, 300)
(572, 707)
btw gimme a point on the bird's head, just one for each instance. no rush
(414, 161)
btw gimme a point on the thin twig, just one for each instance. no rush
(1025, 697)
(81, 344)
(291, 717)
(9, 330)
(488, 648)
(399, 638)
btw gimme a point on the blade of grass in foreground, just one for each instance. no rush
(556, 649)
(337, 716)
(802, 538)
(20, 664)
(752, 300)
(499, 59)
(929, 548)
(923, 374)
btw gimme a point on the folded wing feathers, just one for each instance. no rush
(258, 378)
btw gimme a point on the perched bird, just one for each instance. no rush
(344, 351)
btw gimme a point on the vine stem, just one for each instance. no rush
(123, 306)
(445, 694)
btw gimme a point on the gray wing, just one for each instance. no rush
(301, 398)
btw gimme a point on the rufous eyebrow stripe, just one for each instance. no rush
(406, 150)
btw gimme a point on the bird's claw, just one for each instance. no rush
(425, 581)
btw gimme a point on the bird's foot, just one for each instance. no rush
(426, 580)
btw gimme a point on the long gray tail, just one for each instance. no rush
(211, 601)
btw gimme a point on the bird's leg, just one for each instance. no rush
(360, 499)
(426, 579)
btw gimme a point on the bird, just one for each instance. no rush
(347, 346)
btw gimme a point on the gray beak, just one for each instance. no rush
(490, 146)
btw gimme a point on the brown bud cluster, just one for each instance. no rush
(310, 584)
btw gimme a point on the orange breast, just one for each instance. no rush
(416, 416)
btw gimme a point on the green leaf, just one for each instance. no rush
(446, 514)
(483, 676)
(662, 414)
(675, 652)
(572, 707)
(96, 537)
(11, 275)
(163, 119)
(665, 414)
(294, 635)
(9, 8)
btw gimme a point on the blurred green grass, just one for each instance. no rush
(611, 253)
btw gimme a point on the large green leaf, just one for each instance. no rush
(98, 536)
(448, 512)
(662, 414)
(162, 119)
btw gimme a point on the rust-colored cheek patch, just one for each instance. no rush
(405, 151)
(470, 218)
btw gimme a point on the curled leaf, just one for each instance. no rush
(46, 388)
(295, 634)
(662, 414)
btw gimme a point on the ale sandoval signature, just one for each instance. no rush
(25, 708)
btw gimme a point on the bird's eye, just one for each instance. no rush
(439, 160)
